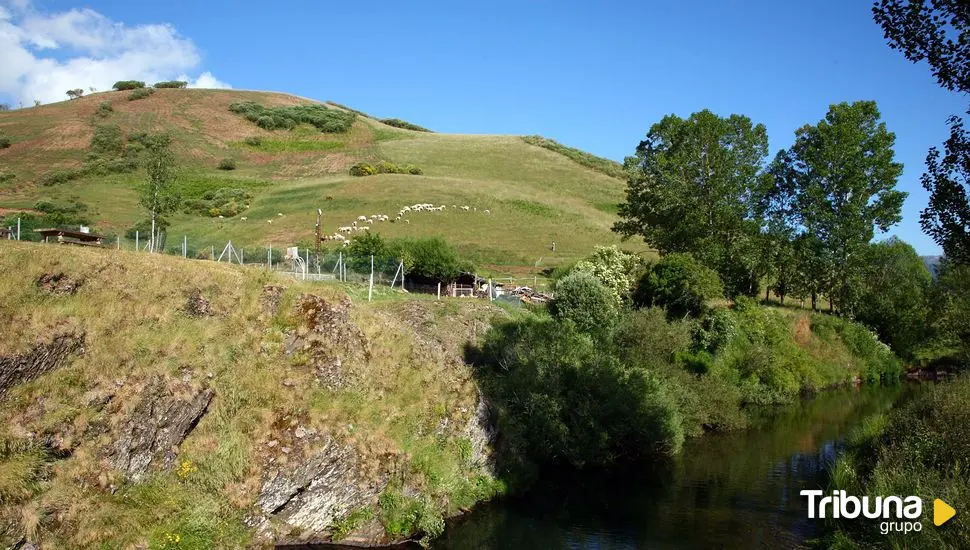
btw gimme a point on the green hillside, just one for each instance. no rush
(534, 195)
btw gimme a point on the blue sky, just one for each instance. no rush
(594, 75)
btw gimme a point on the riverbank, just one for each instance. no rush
(921, 449)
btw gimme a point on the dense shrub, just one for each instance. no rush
(680, 284)
(140, 93)
(227, 164)
(108, 141)
(128, 85)
(172, 84)
(253, 141)
(225, 201)
(57, 177)
(362, 169)
(564, 398)
(363, 247)
(4, 141)
(285, 118)
(104, 109)
(920, 448)
(384, 167)
(398, 123)
(387, 167)
(582, 299)
(429, 258)
(6, 177)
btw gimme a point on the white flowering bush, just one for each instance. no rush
(616, 269)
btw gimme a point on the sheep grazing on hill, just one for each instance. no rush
(361, 218)
(244, 218)
(487, 211)
(345, 229)
(465, 208)
(369, 222)
(280, 214)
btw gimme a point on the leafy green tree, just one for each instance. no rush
(431, 258)
(938, 32)
(777, 209)
(680, 284)
(691, 190)
(947, 178)
(950, 306)
(158, 195)
(814, 268)
(935, 31)
(845, 174)
(895, 298)
(363, 247)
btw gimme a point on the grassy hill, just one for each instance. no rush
(535, 193)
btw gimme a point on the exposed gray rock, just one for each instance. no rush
(158, 424)
(481, 431)
(331, 339)
(47, 356)
(305, 499)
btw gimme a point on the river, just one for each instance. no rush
(729, 490)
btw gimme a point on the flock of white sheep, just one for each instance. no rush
(363, 223)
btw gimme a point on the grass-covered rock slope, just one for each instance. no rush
(294, 155)
(149, 401)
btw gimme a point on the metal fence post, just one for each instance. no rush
(439, 290)
(18, 229)
(136, 241)
(370, 289)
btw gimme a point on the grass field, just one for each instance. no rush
(535, 195)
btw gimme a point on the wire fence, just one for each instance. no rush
(306, 264)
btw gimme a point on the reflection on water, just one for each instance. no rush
(737, 490)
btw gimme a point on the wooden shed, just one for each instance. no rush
(68, 236)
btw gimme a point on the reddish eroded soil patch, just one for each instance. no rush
(802, 330)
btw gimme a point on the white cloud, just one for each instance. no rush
(205, 80)
(46, 54)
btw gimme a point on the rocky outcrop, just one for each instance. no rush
(58, 283)
(300, 503)
(45, 357)
(269, 302)
(197, 305)
(330, 338)
(481, 431)
(160, 421)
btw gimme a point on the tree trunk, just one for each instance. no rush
(782, 296)
(767, 291)
(814, 301)
(151, 245)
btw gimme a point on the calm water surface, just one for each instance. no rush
(737, 490)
